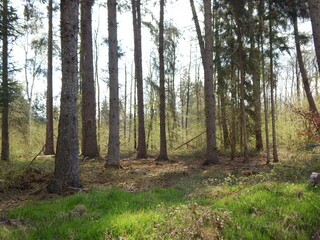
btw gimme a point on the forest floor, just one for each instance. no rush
(176, 199)
(23, 184)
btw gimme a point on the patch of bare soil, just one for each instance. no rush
(133, 175)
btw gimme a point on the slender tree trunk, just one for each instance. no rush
(305, 80)
(136, 13)
(125, 103)
(49, 149)
(314, 8)
(5, 85)
(265, 98)
(113, 156)
(212, 152)
(89, 128)
(66, 162)
(163, 139)
(272, 83)
(242, 81)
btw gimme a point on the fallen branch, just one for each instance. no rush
(35, 157)
(190, 140)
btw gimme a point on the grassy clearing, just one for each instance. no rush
(210, 204)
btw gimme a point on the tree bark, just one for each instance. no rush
(272, 83)
(314, 8)
(136, 13)
(305, 80)
(163, 139)
(49, 148)
(212, 153)
(66, 162)
(89, 125)
(5, 85)
(113, 156)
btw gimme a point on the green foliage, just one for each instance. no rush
(275, 205)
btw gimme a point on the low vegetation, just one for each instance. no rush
(169, 200)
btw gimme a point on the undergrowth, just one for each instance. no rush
(278, 204)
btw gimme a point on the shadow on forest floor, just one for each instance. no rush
(20, 185)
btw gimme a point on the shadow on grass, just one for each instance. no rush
(93, 215)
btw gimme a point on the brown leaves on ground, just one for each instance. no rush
(133, 175)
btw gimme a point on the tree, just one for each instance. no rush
(89, 130)
(163, 139)
(304, 75)
(314, 8)
(272, 83)
(49, 148)
(212, 153)
(5, 85)
(113, 155)
(136, 13)
(66, 161)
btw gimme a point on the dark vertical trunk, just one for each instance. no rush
(163, 139)
(113, 156)
(5, 85)
(49, 149)
(233, 137)
(265, 99)
(125, 104)
(242, 83)
(221, 84)
(212, 153)
(89, 129)
(66, 162)
(136, 12)
(314, 7)
(303, 71)
(254, 70)
(272, 83)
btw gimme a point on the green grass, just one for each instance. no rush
(276, 205)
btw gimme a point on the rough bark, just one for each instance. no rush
(49, 147)
(89, 145)
(163, 139)
(5, 86)
(314, 7)
(212, 153)
(304, 75)
(113, 156)
(66, 162)
(136, 13)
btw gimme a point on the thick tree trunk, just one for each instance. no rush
(113, 156)
(89, 129)
(163, 139)
(136, 13)
(5, 85)
(305, 80)
(212, 153)
(49, 148)
(314, 7)
(66, 162)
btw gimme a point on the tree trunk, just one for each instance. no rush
(88, 103)
(136, 13)
(113, 156)
(239, 23)
(66, 162)
(314, 8)
(163, 139)
(49, 149)
(5, 85)
(303, 71)
(265, 99)
(272, 83)
(212, 153)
